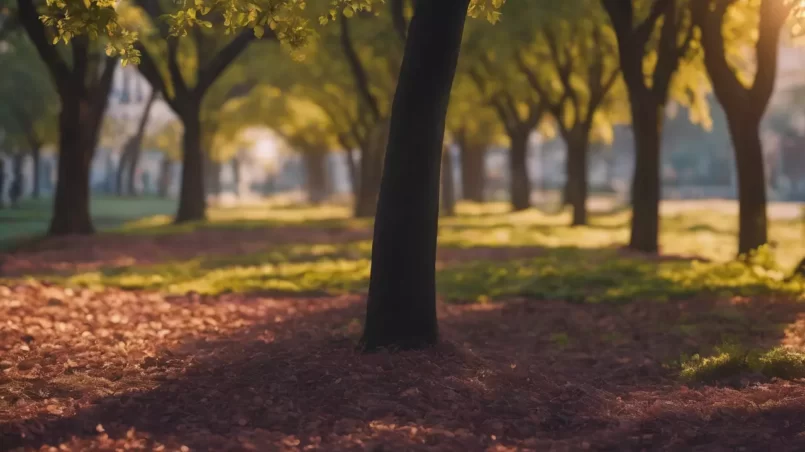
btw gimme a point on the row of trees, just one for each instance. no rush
(381, 83)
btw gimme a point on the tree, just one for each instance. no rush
(583, 72)
(648, 95)
(83, 83)
(401, 306)
(743, 104)
(519, 111)
(401, 309)
(29, 104)
(473, 127)
(132, 149)
(167, 139)
(184, 92)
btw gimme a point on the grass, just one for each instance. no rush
(580, 264)
(32, 216)
(731, 361)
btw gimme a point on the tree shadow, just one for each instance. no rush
(502, 375)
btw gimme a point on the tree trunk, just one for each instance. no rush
(18, 183)
(752, 218)
(579, 189)
(352, 168)
(371, 170)
(518, 167)
(648, 118)
(236, 179)
(571, 179)
(77, 139)
(120, 175)
(134, 162)
(473, 172)
(165, 176)
(36, 156)
(2, 183)
(192, 196)
(401, 306)
(448, 185)
(316, 176)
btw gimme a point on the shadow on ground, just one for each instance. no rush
(283, 374)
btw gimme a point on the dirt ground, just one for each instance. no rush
(127, 370)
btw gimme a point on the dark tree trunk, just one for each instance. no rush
(371, 171)
(77, 139)
(752, 218)
(473, 172)
(36, 156)
(518, 167)
(448, 185)
(316, 176)
(579, 188)
(236, 176)
(18, 183)
(2, 183)
(120, 174)
(165, 177)
(352, 168)
(192, 196)
(401, 306)
(134, 163)
(648, 117)
(570, 179)
(134, 147)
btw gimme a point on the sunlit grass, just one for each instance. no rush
(732, 361)
(580, 264)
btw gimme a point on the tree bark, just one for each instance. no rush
(352, 168)
(448, 185)
(36, 158)
(578, 188)
(648, 119)
(192, 195)
(473, 172)
(518, 166)
(165, 176)
(401, 306)
(752, 217)
(2, 183)
(18, 183)
(120, 175)
(316, 176)
(134, 163)
(236, 178)
(71, 211)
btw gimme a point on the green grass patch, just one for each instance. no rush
(577, 275)
(731, 361)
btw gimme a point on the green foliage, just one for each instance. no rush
(732, 360)
(28, 100)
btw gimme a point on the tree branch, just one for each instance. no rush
(223, 59)
(358, 71)
(726, 85)
(149, 70)
(773, 14)
(398, 18)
